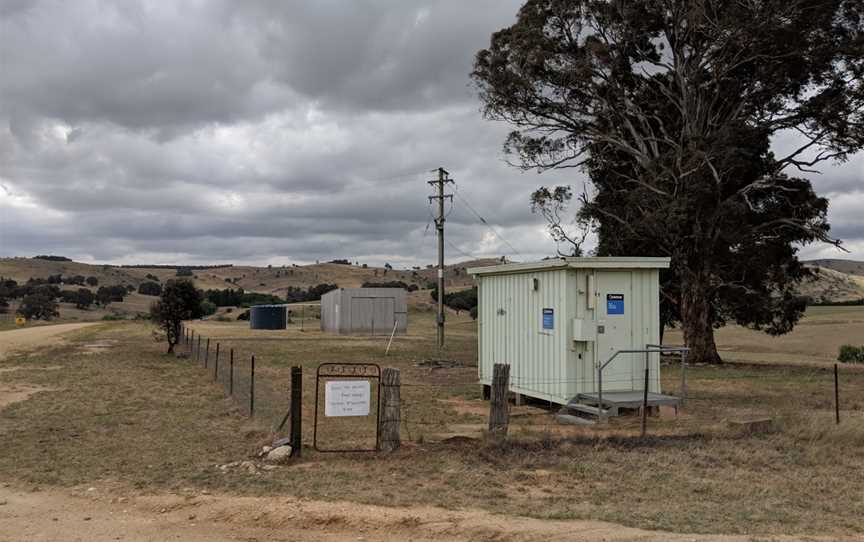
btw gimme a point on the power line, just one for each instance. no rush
(483, 220)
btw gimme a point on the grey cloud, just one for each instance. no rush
(266, 132)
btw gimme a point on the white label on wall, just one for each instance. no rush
(346, 398)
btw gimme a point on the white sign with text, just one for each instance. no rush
(346, 398)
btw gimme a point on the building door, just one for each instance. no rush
(615, 309)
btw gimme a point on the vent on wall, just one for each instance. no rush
(536, 282)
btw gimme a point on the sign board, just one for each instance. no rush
(548, 318)
(614, 304)
(346, 398)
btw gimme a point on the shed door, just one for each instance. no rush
(615, 309)
(372, 314)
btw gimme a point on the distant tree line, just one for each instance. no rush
(392, 284)
(461, 300)
(194, 267)
(313, 293)
(239, 298)
(52, 258)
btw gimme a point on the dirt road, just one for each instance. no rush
(92, 516)
(35, 337)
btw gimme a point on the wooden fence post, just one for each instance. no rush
(499, 407)
(252, 388)
(836, 395)
(216, 365)
(391, 410)
(296, 410)
(207, 353)
(231, 374)
(198, 351)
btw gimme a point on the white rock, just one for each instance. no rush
(282, 454)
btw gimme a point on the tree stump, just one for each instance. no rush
(499, 407)
(391, 417)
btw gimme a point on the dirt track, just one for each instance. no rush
(90, 516)
(35, 337)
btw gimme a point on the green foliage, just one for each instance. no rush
(184, 272)
(38, 306)
(180, 301)
(851, 354)
(106, 295)
(52, 258)
(391, 284)
(84, 298)
(150, 288)
(461, 300)
(672, 109)
(208, 308)
(92, 281)
(313, 293)
(238, 298)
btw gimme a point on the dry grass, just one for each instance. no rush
(132, 417)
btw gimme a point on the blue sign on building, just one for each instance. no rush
(614, 304)
(548, 319)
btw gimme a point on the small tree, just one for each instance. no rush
(180, 301)
(84, 298)
(38, 306)
(150, 288)
(92, 281)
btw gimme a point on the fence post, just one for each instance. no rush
(836, 395)
(390, 421)
(499, 408)
(683, 377)
(207, 353)
(216, 365)
(645, 399)
(190, 341)
(252, 387)
(198, 351)
(296, 410)
(231, 374)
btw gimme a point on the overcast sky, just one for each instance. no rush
(269, 132)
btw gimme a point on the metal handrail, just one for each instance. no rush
(649, 349)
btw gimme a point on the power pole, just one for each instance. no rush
(443, 179)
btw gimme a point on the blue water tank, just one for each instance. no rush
(268, 317)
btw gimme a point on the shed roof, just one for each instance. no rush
(605, 262)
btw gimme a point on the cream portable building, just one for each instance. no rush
(554, 322)
(373, 311)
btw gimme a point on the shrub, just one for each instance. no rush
(851, 354)
(92, 281)
(184, 272)
(38, 306)
(150, 288)
(208, 307)
(84, 298)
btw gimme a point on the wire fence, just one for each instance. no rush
(260, 388)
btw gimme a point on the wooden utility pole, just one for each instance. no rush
(390, 420)
(443, 178)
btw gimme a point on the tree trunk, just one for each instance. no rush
(697, 321)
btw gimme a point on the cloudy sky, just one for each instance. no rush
(268, 132)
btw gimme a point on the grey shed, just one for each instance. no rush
(373, 311)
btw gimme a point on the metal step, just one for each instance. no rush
(569, 419)
(587, 409)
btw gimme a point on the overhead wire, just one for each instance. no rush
(483, 220)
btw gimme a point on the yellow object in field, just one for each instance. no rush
(20, 320)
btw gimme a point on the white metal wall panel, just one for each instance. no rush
(548, 364)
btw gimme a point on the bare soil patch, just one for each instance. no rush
(54, 515)
(18, 340)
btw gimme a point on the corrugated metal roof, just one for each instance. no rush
(605, 262)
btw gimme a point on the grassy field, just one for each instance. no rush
(112, 409)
